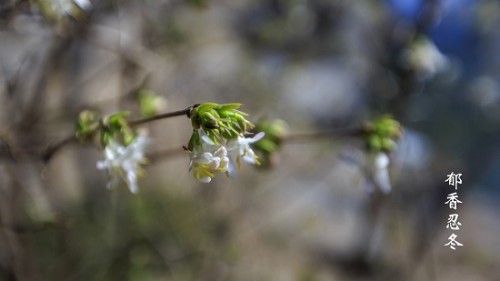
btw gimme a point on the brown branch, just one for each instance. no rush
(302, 137)
(137, 122)
(52, 149)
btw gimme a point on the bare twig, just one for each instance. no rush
(137, 122)
(301, 137)
(52, 149)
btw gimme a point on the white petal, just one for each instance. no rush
(232, 144)
(120, 160)
(207, 140)
(221, 152)
(381, 161)
(203, 158)
(215, 163)
(257, 137)
(382, 180)
(231, 168)
(249, 159)
(83, 4)
(132, 182)
(102, 165)
(205, 179)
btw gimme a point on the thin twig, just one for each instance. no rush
(290, 138)
(300, 137)
(137, 122)
(52, 149)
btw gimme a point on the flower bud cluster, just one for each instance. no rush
(275, 132)
(219, 136)
(124, 148)
(382, 134)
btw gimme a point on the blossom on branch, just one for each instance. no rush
(218, 131)
(245, 152)
(381, 172)
(424, 58)
(206, 164)
(124, 162)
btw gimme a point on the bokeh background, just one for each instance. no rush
(318, 65)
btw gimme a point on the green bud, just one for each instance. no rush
(274, 130)
(387, 144)
(194, 140)
(105, 137)
(382, 133)
(375, 143)
(195, 119)
(229, 106)
(150, 103)
(116, 121)
(226, 114)
(266, 145)
(87, 122)
(242, 123)
(208, 121)
(220, 121)
(271, 142)
(128, 137)
(205, 107)
(214, 135)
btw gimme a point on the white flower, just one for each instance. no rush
(425, 58)
(124, 162)
(83, 4)
(60, 8)
(245, 152)
(206, 163)
(209, 158)
(381, 172)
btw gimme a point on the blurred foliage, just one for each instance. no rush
(150, 103)
(134, 237)
(271, 143)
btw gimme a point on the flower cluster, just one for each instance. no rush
(150, 103)
(267, 148)
(91, 127)
(424, 58)
(222, 138)
(381, 136)
(219, 136)
(123, 148)
(124, 162)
